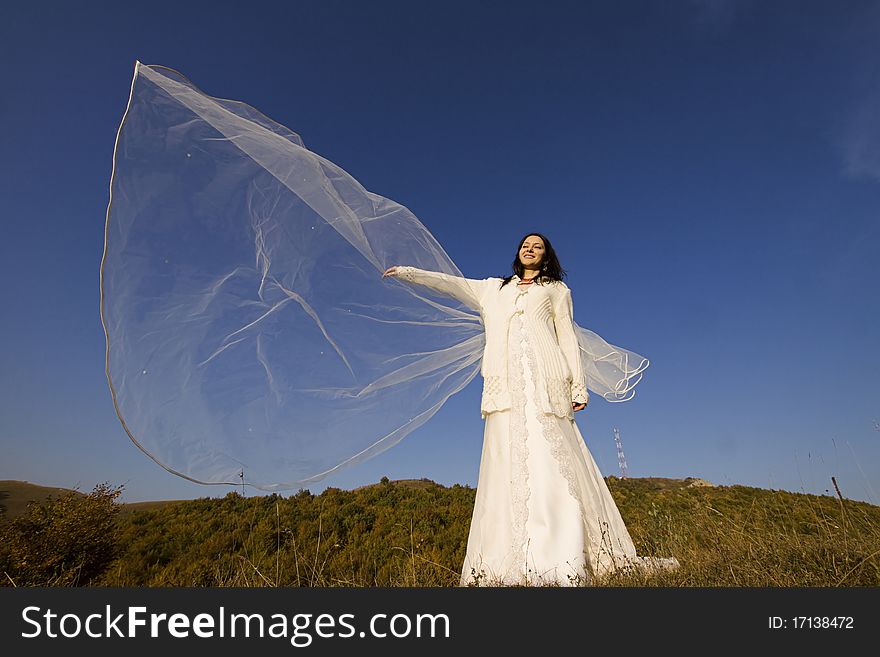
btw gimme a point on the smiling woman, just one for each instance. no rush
(543, 513)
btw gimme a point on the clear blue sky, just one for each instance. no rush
(709, 172)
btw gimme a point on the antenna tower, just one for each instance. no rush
(621, 459)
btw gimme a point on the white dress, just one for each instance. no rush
(543, 513)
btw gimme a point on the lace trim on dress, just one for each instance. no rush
(579, 392)
(518, 448)
(554, 437)
(494, 398)
(564, 461)
(492, 385)
(406, 273)
(559, 397)
(602, 556)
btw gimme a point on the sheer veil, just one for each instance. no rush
(250, 335)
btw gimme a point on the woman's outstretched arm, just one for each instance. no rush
(466, 290)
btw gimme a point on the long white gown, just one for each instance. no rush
(543, 514)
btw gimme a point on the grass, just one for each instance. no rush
(747, 537)
(412, 534)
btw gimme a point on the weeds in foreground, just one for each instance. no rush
(756, 538)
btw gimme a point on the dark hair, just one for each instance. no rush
(551, 270)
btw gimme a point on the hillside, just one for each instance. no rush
(413, 533)
(15, 495)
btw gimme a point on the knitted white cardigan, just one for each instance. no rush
(549, 318)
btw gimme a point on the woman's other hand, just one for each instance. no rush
(577, 407)
(391, 271)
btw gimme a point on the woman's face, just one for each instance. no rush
(531, 252)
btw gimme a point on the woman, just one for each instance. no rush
(543, 513)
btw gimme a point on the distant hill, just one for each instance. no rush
(15, 495)
(405, 483)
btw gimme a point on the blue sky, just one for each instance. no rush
(709, 172)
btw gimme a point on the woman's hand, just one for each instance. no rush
(577, 407)
(391, 271)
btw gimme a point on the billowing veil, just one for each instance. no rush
(250, 335)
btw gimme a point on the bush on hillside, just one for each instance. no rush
(64, 541)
